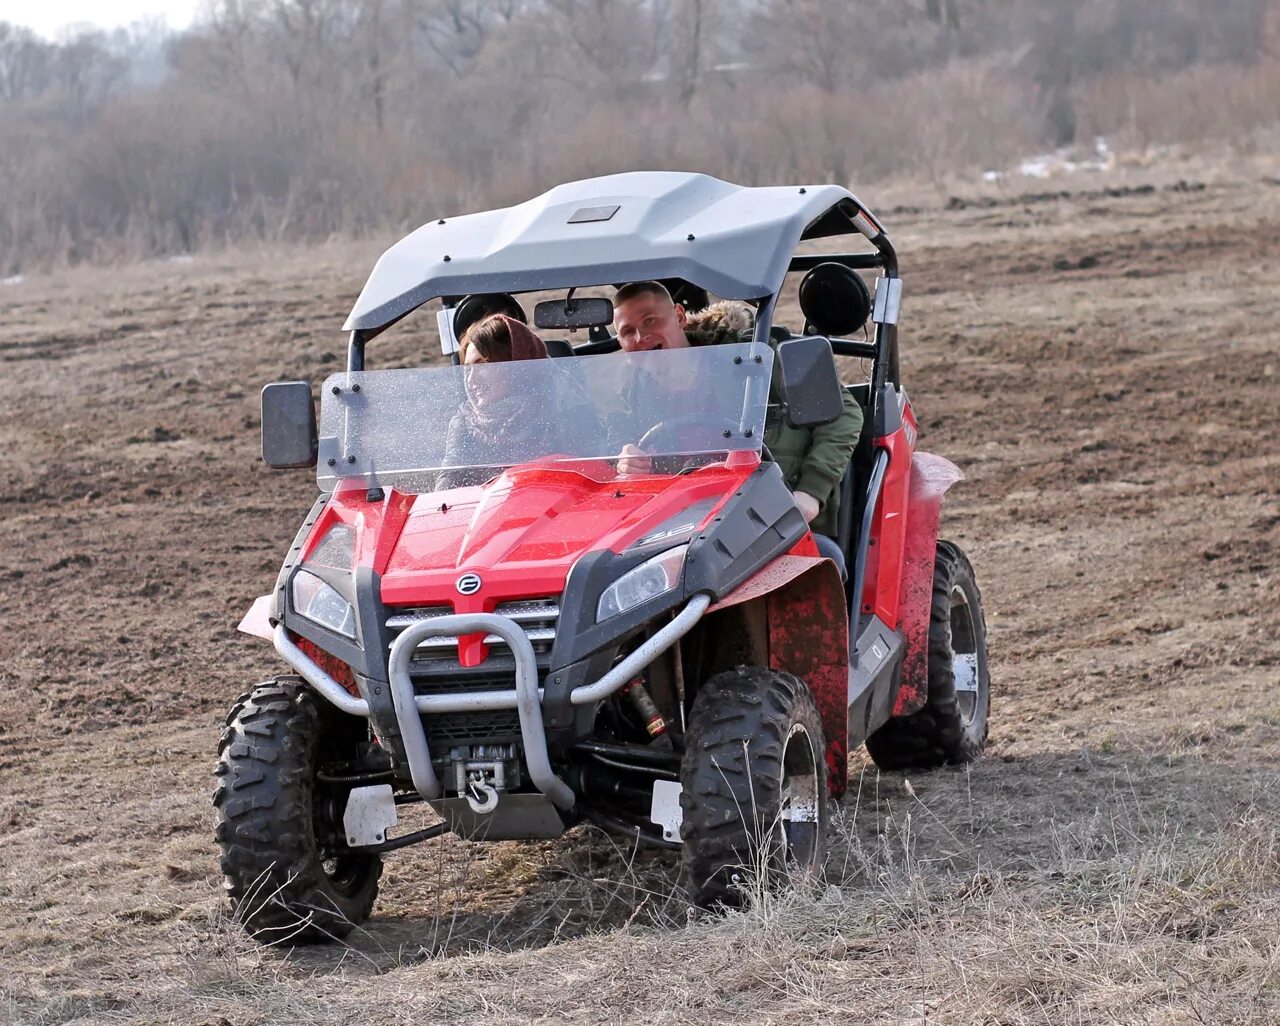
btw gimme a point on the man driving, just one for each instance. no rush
(812, 460)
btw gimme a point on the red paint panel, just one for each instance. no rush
(523, 531)
(888, 529)
(377, 524)
(806, 546)
(395, 514)
(931, 476)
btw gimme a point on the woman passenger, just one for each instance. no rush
(499, 423)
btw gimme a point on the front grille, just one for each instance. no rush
(434, 668)
(537, 616)
(502, 726)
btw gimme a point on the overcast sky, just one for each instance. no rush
(47, 16)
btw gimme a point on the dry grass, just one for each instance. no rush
(1119, 917)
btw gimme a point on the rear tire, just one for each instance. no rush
(951, 727)
(285, 864)
(754, 786)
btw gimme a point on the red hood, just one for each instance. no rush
(521, 533)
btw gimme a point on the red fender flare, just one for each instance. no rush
(808, 625)
(931, 477)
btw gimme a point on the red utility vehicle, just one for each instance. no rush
(489, 611)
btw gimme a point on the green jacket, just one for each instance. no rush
(812, 460)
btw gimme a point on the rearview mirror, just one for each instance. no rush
(288, 425)
(811, 387)
(573, 313)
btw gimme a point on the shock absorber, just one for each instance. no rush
(644, 705)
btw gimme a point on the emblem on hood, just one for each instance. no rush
(468, 584)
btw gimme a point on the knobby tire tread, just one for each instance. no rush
(934, 736)
(270, 863)
(730, 789)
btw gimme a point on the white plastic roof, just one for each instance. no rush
(736, 242)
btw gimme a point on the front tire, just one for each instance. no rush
(951, 727)
(286, 868)
(754, 786)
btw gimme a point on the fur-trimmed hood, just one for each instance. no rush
(725, 321)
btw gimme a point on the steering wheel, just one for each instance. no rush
(721, 425)
(665, 435)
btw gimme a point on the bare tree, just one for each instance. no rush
(815, 40)
(299, 119)
(691, 17)
(943, 12)
(83, 72)
(456, 30)
(373, 26)
(24, 62)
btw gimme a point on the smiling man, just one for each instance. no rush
(645, 318)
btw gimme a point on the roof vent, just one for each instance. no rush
(588, 214)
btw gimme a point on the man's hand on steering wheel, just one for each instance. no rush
(638, 459)
(634, 461)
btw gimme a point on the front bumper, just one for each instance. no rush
(526, 697)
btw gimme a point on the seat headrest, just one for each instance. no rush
(476, 308)
(834, 300)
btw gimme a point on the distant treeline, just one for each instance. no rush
(305, 119)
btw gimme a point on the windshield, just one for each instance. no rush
(430, 428)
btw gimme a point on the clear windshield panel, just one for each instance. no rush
(432, 428)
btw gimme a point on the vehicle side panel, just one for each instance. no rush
(931, 476)
(889, 527)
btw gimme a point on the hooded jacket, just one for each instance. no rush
(813, 460)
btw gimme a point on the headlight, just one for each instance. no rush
(649, 580)
(321, 604)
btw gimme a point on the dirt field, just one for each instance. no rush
(1104, 365)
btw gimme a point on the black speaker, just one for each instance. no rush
(835, 300)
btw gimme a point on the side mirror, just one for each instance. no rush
(288, 425)
(573, 313)
(811, 387)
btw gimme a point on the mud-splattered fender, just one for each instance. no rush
(931, 477)
(808, 628)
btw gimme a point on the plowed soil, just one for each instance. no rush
(1105, 367)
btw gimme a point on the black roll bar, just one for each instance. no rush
(857, 261)
(355, 350)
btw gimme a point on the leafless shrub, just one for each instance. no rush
(1200, 105)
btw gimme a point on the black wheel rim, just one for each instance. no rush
(344, 870)
(345, 873)
(799, 804)
(965, 668)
